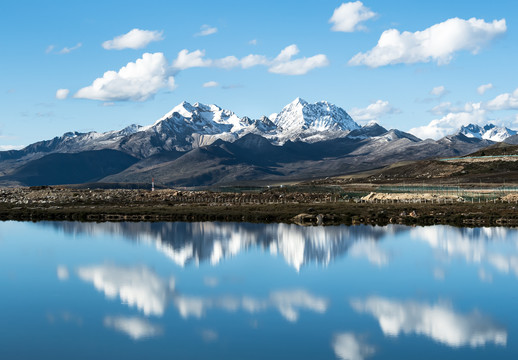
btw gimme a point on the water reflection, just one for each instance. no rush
(438, 322)
(495, 248)
(349, 346)
(121, 288)
(186, 243)
(136, 286)
(142, 288)
(135, 327)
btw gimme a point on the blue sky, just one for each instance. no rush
(424, 75)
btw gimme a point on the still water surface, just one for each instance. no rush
(256, 291)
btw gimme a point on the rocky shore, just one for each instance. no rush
(62, 203)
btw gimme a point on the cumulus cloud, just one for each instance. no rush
(472, 113)
(281, 64)
(134, 39)
(438, 91)
(373, 112)
(348, 346)
(135, 286)
(506, 101)
(62, 94)
(437, 43)
(349, 16)
(206, 30)
(136, 328)
(483, 88)
(299, 66)
(438, 322)
(136, 81)
(186, 60)
(453, 117)
(67, 50)
(210, 84)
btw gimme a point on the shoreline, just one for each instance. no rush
(66, 204)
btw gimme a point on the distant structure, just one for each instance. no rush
(152, 184)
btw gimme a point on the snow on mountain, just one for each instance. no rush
(300, 120)
(188, 126)
(487, 132)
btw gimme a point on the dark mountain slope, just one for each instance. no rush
(87, 166)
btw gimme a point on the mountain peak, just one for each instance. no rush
(300, 120)
(298, 101)
(486, 132)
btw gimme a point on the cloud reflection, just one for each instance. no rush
(136, 328)
(348, 346)
(142, 288)
(135, 286)
(496, 247)
(438, 322)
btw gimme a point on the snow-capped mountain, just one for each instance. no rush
(487, 132)
(300, 120)
(203, 145)
(187, 127)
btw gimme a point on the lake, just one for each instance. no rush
(75, 290)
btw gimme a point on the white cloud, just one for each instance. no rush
(438, 91)
(136, 81)
(437, 43)
(227, 62)
(281, 64)
(135, 286)
(444, 108)
(506, 101)
(473, 113)
(300, 66)
(62, 94)
(186, 60)
(253, 60)
(438, 322)
(253, 42)
(62, 273)
(49, 49)
(210, 84)
(373, 112)
(348, 346)
(206, 30)
(67, 50)
(136, 328)
(134, 39)
(483, 88)
(11, 147)
(348, 16)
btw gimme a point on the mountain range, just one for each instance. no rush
(205, 145)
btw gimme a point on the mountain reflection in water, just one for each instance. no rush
(255, 291)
